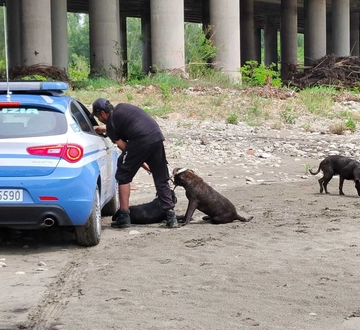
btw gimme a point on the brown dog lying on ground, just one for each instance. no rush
(206, 199)
(147, 213)
(346, 168)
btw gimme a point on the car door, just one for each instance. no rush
(80, 115)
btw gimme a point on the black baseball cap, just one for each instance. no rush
(99, 105)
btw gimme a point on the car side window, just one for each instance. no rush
(80, 118)
(93, 121)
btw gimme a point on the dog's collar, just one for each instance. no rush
(181, 170)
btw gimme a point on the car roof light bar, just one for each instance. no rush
(34, 86)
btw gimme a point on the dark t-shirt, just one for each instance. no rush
(132, 125)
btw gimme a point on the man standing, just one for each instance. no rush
(139, 137)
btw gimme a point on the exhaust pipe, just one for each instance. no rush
(48, 222)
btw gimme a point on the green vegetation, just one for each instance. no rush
(255, 74)
(79, 68)
(350, 125)
(199, 50)
(161, 78)
(78, 38)
(233, 118)
(159, 111)
(288, 115)
(319, 100)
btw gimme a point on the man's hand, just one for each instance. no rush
(100, 129)
(146, 168)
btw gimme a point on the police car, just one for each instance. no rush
(54, 169)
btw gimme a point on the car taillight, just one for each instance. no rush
(72, 153)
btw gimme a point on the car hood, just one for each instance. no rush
(15, 161)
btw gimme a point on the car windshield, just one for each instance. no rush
(30, 122)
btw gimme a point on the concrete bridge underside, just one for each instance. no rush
(37, 31)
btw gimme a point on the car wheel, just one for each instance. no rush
(90, 233)
(113, 204)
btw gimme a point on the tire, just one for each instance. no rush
(90, 233)
(112, 205)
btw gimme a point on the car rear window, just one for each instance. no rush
(31, 121)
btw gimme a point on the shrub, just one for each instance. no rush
(350, 125)
(232, 119)
(338, 128)
(199, 49)
(288, 116)
(255, 74)
(79, 68)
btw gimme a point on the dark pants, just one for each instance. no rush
(131, 160)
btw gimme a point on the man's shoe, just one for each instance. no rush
(123, 220)
(171, 221)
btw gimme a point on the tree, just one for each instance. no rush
(134, 47)
(199, 49)
(78, 36)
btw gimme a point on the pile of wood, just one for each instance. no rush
(330, 70)
(47, 71)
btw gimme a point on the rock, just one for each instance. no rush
(134, 232)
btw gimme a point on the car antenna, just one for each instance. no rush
(6, 55)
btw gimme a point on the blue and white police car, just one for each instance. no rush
(54, 169)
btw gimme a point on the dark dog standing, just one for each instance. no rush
(346, 168)
(147, 213)
(206, 199)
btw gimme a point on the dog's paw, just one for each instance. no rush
(180, 218)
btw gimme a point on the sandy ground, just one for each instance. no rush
(295, 266)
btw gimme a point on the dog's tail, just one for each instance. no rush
(244, 219)
(314, 173)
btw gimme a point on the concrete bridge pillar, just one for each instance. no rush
(146, 39)
(329, 34)
(167, 34)
(288, 36)
(315, 30)
(257, 39)
(123, 46)
(59, 33)
(354, 34)
(247, 36)
(105, 49)
(36, 32)
(341, 27)
(225, 18)
(271, 42)
(14, 32)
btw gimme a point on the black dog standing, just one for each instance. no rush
(346, 168)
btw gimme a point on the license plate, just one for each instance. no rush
(11, 195)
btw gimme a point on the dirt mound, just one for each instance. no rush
(331, 70)
(43, 70)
